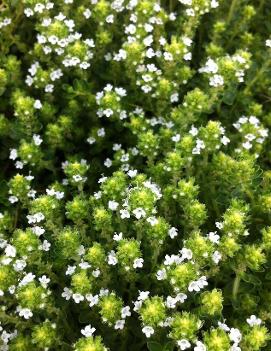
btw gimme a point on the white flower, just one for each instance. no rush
(119, 324)
(225, 140)
(44, 281)
(37, 139)
(96, 273)
(109, 19)
(12, 199)
(186, 253)
(235, 335)
(171, 302)
(13, 154)
(138, 263)
(152, 220)
(216, 257)
(28, 278)
(67, 293)
(124, 214)
(143, 295)
(181, 297)
(173, 232)
(235, 347)
(38, 230)
(268, 43)
(117, 237)
(223, 326)
(26, 313)
(193, 131)
(10, 251)
(37, 104)
(219, 225)
(87, 13)
(210, 67)
(253, 320)
(113, 205)
(161, 274)
(216, 81)
(108, 163)
(193, 286)
(125, 312)
(168, 56)
(148, 331)
(77, 297)
(213, 237)
(93, 300)
(183, 344)
(45, 245)
(200, 346)
(188, 56)
(19, 265)
(88, 331)
(111, 258)
(139, 212)
(84, 265)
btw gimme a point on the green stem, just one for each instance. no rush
(235, 287)
(231, 11)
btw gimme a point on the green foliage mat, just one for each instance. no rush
(135, 197)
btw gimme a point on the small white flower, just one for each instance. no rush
(138, 263)
(119, 324)
(12, 199)
(37, 139)
(161, 274)
(235, 335)
(268, 43)
(10, 251)
(118, 237)
(13, 154)
(93, 300)
(253, 320)
(37, 104)
(113, 205)
(148, 331)
(186, 253)
(176, 138)
(19, 265)
(216, 257)
(87, 13)
(111, 258)
(28, 278)
(44, 281)
(45, 245)
(96, 273)
(67, 293)
(216, 81)
(84, 265)
(124, 214)
(26, 313)
(88, 331)
(125, 312)
(183, 344)
(213, 237)
(139, 213)
(200, 346)
(143, 295)
(152, 220)
(77, 297)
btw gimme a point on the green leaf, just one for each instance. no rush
(154, 346)
(169, 346)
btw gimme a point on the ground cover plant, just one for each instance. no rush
(135, 197)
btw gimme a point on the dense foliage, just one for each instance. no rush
(135, 175)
